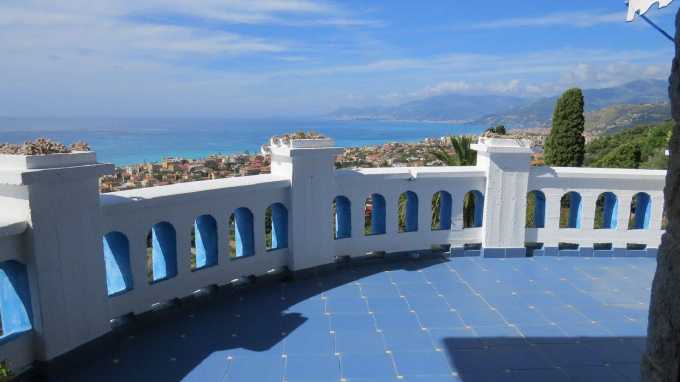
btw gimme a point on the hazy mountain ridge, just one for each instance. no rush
(516, 112)
(539, 113)
(447, 107)
(615, 118)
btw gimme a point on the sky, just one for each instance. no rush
(264, 58)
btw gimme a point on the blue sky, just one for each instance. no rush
(249, 58)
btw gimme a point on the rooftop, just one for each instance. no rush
(426, 319)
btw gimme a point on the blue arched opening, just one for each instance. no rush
(277, 226)
(241, 233)
(640, 211)
(163, 243)
(15, 299)
(408, 212)
(342, 218)
(606, 208)
(473, 209)
(441, 210)
(374, 217)
(570, 210)
(535, 210)
(117, 262)
(205, 241)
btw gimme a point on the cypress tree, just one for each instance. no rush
(565, 145)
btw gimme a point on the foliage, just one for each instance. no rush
(625, 156)
(565, 144)
(621, 149)
(5, 372)
(464, 155)
(41, 146)
(499, 130)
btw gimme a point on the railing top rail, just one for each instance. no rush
(159, 192)
(588, 172)
(414, 171)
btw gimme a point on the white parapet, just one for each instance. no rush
(54, 220)
(57, 195)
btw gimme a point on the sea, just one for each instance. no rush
(124, 141)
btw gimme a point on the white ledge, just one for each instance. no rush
(58, 160)
(11, 226)
(158, 192)
(589, 172)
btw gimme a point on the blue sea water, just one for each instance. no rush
(134, 140)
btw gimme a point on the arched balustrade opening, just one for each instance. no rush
(342, 218)
(276, 226)
(204, 242)
(117, 263)
(473, 209)
(570, 210)
(161, 250)
(374, 215)
(241, 233)
(15, 299)
(606, 208)
(408, 212)
(535, 210)
(640, 211)
(441, 211)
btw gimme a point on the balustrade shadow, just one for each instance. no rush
(542, 359)
(166, 345)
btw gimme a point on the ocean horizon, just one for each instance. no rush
(125, 141)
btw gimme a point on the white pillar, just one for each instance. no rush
(64, 257)
(310, 166)
(506, 163)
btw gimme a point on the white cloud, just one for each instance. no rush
(573, 19)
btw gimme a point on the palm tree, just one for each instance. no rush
(464, 156)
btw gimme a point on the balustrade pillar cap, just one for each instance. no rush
(503, 145)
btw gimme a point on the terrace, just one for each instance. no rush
(316, 274)
(427, 319)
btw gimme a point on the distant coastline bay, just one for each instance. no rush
(137, 140)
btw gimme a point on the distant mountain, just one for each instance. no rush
(448, 107)
(613, 119)
(516, 112)
(539, 112)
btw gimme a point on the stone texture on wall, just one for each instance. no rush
(662, 359)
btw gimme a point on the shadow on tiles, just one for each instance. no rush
(553, 359)
(195, 338)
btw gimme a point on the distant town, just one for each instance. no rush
(178, 170)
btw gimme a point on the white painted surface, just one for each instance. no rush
(65, 217)
(642, 6)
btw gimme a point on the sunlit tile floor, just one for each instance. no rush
(470, 319)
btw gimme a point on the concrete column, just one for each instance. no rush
(310, 166)
(59, 198)
(506, 163)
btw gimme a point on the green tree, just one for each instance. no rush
(565, 145)
(628, 155)
(499, 129)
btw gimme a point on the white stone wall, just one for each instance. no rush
(55, 219)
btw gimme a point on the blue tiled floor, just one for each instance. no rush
(470, 319)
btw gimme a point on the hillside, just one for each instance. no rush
(539, 113)
(638, 147)
(615, 118)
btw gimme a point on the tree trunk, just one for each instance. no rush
(662, 357)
